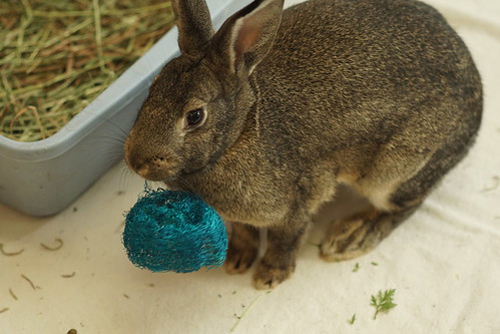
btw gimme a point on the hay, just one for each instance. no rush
(57, 56)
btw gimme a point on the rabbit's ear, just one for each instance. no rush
(194, 24)
(247, 36)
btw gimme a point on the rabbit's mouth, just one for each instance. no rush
(183, 179)
(154, 169)
(153, 172)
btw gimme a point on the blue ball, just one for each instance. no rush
(174, 231)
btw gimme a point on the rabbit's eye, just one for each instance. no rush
(195, 117)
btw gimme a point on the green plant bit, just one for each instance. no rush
(12, 294)
(10, 253)
(4, 310)
(374, 263)
(61, 243)
(352, 320)
(356, 268)
(383, 302)
(29, 281)
(255, 301)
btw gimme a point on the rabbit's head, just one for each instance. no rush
(199, 103)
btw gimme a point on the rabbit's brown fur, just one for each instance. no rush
(380, 95)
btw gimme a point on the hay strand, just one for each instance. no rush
(59, 245)
(10, 253)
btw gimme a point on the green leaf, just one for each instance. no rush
(352, 320)
(383, 302)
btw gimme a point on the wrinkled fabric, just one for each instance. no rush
(444, 262)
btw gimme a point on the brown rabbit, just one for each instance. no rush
(265, 117)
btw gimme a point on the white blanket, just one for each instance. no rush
(444, 262)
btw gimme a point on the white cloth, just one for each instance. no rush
(444, 262)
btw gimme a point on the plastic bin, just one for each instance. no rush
(42, 178)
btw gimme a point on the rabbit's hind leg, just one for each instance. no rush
(359, 234)
(396, 183)
(242, 249)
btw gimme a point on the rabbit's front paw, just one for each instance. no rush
(239, 258)
(242, 249)
(267, 277)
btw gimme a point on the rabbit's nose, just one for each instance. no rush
(156, 169)
(143, 171)
(149, 165)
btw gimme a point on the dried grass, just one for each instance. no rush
(57, 56)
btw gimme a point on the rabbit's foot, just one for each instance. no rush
(238, 261)
(347, 245)
(347, 239)
(267, 277)
(354, 237)
(242, 249)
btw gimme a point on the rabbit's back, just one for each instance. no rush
(355, 75)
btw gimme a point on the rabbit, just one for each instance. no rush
(266, 117)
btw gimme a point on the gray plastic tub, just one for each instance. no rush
(44, 177)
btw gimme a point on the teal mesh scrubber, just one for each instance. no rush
(174, 231)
